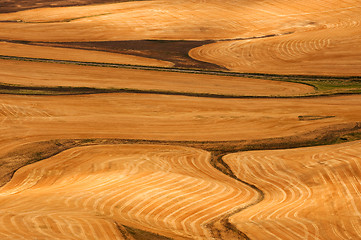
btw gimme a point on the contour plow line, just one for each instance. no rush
(86, 192)
(310, 193)
(324, 45)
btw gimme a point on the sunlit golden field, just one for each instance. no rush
(180, 119)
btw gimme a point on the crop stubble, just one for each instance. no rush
(91, 192)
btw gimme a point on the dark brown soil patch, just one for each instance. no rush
(144, 235)
(7, 6)
(310, 118)
(172, 51)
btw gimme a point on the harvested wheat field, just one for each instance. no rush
(152, 187)
(54, 75)
(306, 192)
(183, 119)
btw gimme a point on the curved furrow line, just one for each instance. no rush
(30, 177)
(310, 193)
(311, 228)
(124, 199)
(106, 183)
(166, 209)
(128, 202)
(172, 221)
(295, 203)
(251, 218)
(308, 45)
(348, 20)
(339, 225)
(184, 207)
(269, 181)
(203, 218)
(295, 49)
(181, 215)
(289, 197)
(191, 218)
(151, 208)
(109, 185)
(83, 227)
(60, 226)
(177, 200)
(11, 230)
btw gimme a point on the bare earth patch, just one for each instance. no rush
(22, 50)
(172, 51)
(20, 5)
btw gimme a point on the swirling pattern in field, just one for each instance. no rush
(324, 52)
(260, 55)
(322, 42)
(310, 193)
(81, 193)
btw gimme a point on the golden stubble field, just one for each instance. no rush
(180, 119)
